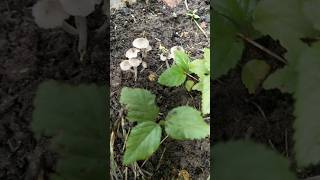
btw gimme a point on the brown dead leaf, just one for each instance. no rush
(171, 3)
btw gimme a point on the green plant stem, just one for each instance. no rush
(205, 34)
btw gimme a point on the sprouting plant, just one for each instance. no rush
(194, 17)
(181, 123)
(167, 55)
(53, 13)
(177, 74)
(134, 61)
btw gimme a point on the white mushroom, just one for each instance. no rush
(173, 49)
(144, 65)
(49, 14)
(132, 53)
(164, 58)
(135, 63)
(125, 65)
(141, 43)
(149, 48)
(79, 7)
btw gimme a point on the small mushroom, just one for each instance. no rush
(144, 66)
(135, 63)
(141, 43)
(164, 58)
(132, 53)
(125, 65)
(173, 49)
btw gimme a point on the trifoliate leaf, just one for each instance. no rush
(143, 141)
(140, 104)
(174, 76)
(184, 123)
(307, 108)
(188, 85)
(75, 117)
(311, 10)
(182, 60)
(232, 161)
(253, 73)
(205, 99)
(227, 48)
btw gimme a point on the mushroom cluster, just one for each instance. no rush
(166, 55)
(140, 45)
(53, 13)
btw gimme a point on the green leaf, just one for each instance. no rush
(75, 118)
(182, 60)
(198, 67)
(253, 73)
(227, 49)
(174, 76)
(188, 85)
(207, 58)
(205, 99)
(311, 10)
(234, 160)
(282, 79)
(184, 123)
(143, 141)
(198, 86)
(140, 103)
(307, 108)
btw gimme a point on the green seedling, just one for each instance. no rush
(194, 17)
(181, 123)
(177, 74)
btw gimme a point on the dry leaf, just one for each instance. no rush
(171, 3)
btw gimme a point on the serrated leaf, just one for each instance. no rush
(140, 104)
(283, 79)
(185, 122)
(253, 73)
(232, 161)
(227, 48)
(188, 85)
(143, 141)
(182, 60)
(174, 76)
(75, 117)
(205, 99)
(311, 10)
(307, 107)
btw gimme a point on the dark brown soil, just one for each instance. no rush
(265, 117)
(156, 22)
(28, 56)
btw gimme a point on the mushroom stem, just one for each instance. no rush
(167, 64)
(135, 73)
(81, 23)
(68, 28)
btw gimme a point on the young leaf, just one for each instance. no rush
(75, 117)
(143, 141)
(174, 76)
(182, 60)
(184, 123)
(227, 49)
(253, 73)
(140, 103)
(307, 108)
(233, 160)
(188, 85)
(199, 67)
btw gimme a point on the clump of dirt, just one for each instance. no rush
(29, 56)
(159, 25)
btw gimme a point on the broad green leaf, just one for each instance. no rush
(185, 123)
(227, 48)
(140, 104)
(282, 79)
(283, 20)
(253, 73)
(205, 99)
(307, 108)
(188, 85)
(174, 76)
(75, 118)
(249, 161)
(311, 10)
(198, 67)
(182, 60)
(198, 86)
(143, 141)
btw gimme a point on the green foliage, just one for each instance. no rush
(181, 123)
(250, 161)
(188, 85)
(141, 107)
(172, 77)
(253, 73)
(282, 79)
(74, 116)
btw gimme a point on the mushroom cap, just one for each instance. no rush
(163, 57)
(141, 43)
(149, 48)
(79, 7)
(132, 53)
(125, 65)
(144, 64)
(135, 62)
(49, 14)
(173, 49)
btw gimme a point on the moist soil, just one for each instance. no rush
(156, 22)
(30, 55)
(266, 117)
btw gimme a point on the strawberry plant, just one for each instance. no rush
(181, 123)
(177, 74)
(295, 23)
